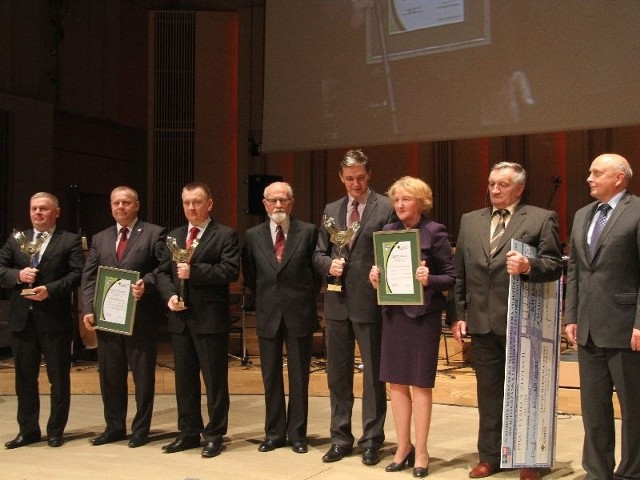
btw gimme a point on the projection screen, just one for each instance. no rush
(342, 73)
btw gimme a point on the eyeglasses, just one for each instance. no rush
(273, 201)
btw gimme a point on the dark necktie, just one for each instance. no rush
(604, 209)
(499, 231)
(122, 244)
(35, 260)
(279, 245)
(193, 235)
(355, 214)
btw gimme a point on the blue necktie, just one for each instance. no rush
(604, 209)
(35, 260)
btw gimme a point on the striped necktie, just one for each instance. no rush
(499, 231)
(604, 209)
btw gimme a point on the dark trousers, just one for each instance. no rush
(29, 346)
(206, 353)
(602, 369)
(282, 422)
(341, 338)
(488, 361)
(116, 354)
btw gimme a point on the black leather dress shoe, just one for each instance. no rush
(137, 441)
(336, 453)
(21, 441)
(55, 441)
(299, 446)
(269, 445)
(370, 456)
(212, 449)
(182, 443)
(107, 438)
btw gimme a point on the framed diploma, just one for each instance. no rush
(114, 304)
(397, 254)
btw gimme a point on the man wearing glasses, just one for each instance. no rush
(277, 266)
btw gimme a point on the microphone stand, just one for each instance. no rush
(556, 181)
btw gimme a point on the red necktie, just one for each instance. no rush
(122, 244)
(279, 245)
(193, 234)
(355, 214)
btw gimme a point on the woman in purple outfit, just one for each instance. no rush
(411, 334)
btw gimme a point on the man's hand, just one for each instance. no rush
(635, 340)
(459, 330)
(337, 267)
(89, 322)
(173, 304)
(572, 332)
(137, 289)
(39, 293)
(184, 271)
(516, 263)
(28, 275)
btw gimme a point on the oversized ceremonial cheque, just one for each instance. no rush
(397, 254)
(114, 303)
(531, 372)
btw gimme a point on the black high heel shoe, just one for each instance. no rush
(420, 472)
(408, 461)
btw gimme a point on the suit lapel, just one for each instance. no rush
(131, 240)
(369, 209)
(291, 245)
(265, 244)
(484, 230)
(206, 237)
(584, 238)
(615, 215)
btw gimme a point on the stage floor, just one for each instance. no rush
(452, 448)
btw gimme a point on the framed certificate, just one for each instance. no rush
(114, 304)
(397, 254)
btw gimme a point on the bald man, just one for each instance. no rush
(603, 317)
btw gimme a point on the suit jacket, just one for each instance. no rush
(145, 246)
(602, 292)
(358, 300)
(284, 291)
(482, 282)
(59, 270)
(215, 263)
(435, 249)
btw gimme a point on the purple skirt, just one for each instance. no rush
(410, 348)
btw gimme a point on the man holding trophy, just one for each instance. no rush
(344, 255)
(196, 289)
(42, 275)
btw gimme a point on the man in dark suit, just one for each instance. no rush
(131, 245)
(484, 261)
(41, 323)
(200, 327)
(277, 266)
(353, 314)
(603, 317)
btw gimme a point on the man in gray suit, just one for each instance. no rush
(353, 314)
(135, 245)
(603, 317)
(277, 267)
(484, 261)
